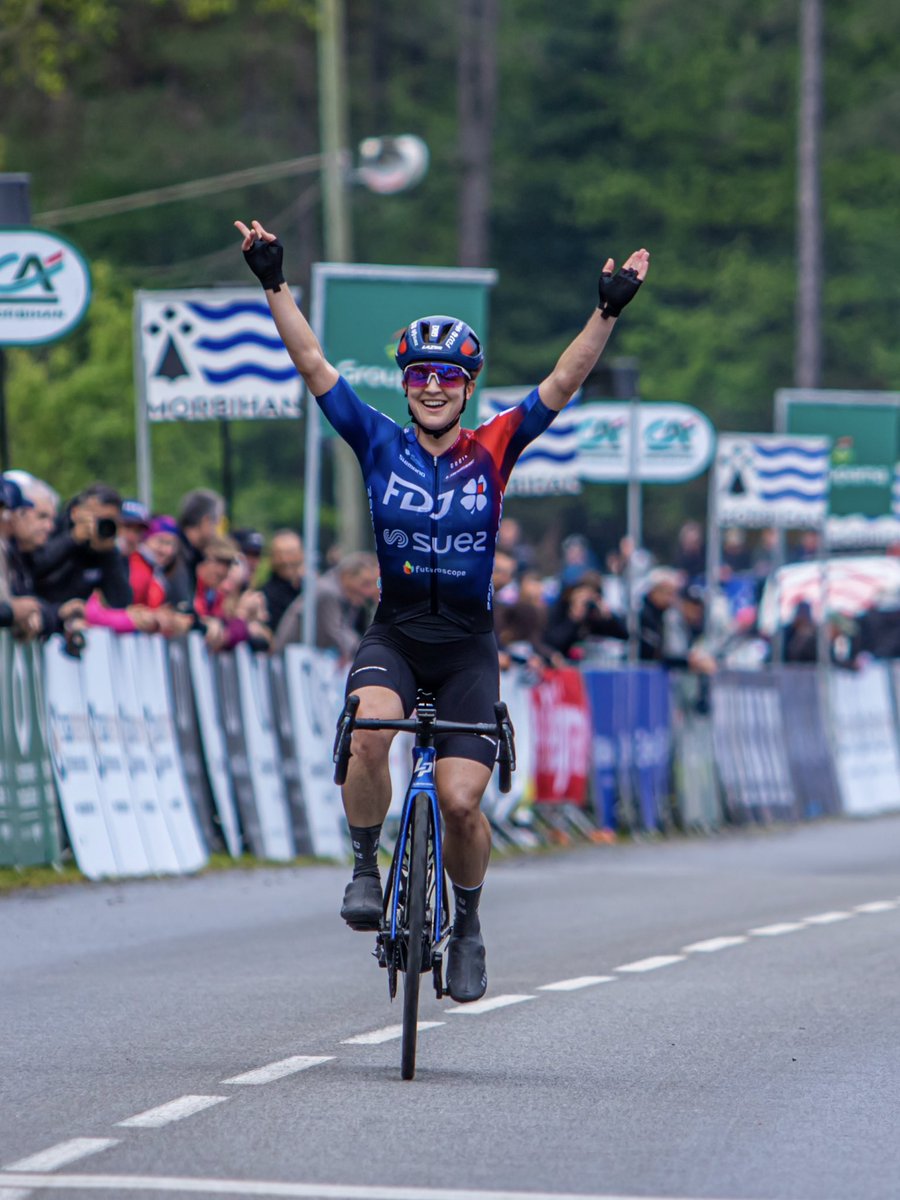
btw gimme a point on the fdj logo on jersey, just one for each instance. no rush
(416, 499)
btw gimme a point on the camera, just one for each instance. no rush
(106, 528)
(74, 642)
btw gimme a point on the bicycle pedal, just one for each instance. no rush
(437, 971)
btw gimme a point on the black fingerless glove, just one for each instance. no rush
(264, 260)
(617, 290)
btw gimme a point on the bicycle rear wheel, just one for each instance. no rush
(414, 927)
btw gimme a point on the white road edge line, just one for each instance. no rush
(175, 1110)
(14, 1193)
(61, 1155)
(828, 918)
(390, 1033)
(483, 1006)
(650, 964)
(291, 1191)
(711, 945)
(778, 929)
(280, 1069)
(573, 985)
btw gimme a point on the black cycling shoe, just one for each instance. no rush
(363, 903)
(466, 974)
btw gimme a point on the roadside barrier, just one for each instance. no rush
(146, 755)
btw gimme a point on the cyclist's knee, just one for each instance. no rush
(460, 805)
(371, 747)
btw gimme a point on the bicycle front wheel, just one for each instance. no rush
(414, 929)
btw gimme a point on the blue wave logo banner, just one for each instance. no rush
(781, 481)
(215, 355)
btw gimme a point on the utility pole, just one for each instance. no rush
(808, 346)
(337, 232)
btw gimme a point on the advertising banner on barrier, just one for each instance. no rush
(748, 735)
(287, 748)
(184, 713)
(212, 737)
(229, 706)
(91, 834)
(138, 755)
(314, 693)
(29, 829)
(867, 759)
(262, 754)
(562, 724)
(807, 741)
(144, 844)
(632, 745)
(693, 758)
(171, 785)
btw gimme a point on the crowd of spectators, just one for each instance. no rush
(102, 559)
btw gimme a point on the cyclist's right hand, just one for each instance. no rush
(263, 254)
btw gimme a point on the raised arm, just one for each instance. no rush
(580, 357)
(263, 253)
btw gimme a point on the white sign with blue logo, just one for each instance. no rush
(214, 355)
(775, 480)
(45, 287)
(592, 442)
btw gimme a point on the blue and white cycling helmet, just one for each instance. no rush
(440, 339)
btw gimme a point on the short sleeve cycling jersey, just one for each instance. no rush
(435, 517)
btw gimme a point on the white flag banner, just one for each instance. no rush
(772, 480)
(212, 355)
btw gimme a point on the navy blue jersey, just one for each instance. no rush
(435, 517)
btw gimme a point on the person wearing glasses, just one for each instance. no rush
(436, 494)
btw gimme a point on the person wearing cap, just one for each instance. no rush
(30, 517)
(251, 544)
(133, 525)
(435, 498)
(20, 613)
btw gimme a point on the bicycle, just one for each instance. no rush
(415, 923)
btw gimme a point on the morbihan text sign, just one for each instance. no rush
(45, 287)
(772, 480)
(592, 442)
(213, 355)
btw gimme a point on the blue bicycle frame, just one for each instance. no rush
(422, 780)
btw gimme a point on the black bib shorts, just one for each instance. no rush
(463, 675)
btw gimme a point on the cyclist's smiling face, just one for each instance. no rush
(435, 404)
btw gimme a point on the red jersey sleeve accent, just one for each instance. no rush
(505, 436)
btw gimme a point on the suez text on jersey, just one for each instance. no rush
(462, 543)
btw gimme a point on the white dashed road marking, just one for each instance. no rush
(876, 906)
(483, 1006)
(280, 1069)
(175, 1110)
(650, 964)
(61, 1155)
(711, 945)
(390, 1033)
(572, 985)
(827, 918)
(778, 930)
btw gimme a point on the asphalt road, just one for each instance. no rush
(728, 1028)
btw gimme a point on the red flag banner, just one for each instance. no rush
(561, 721)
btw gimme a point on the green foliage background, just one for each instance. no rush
(665, 123)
